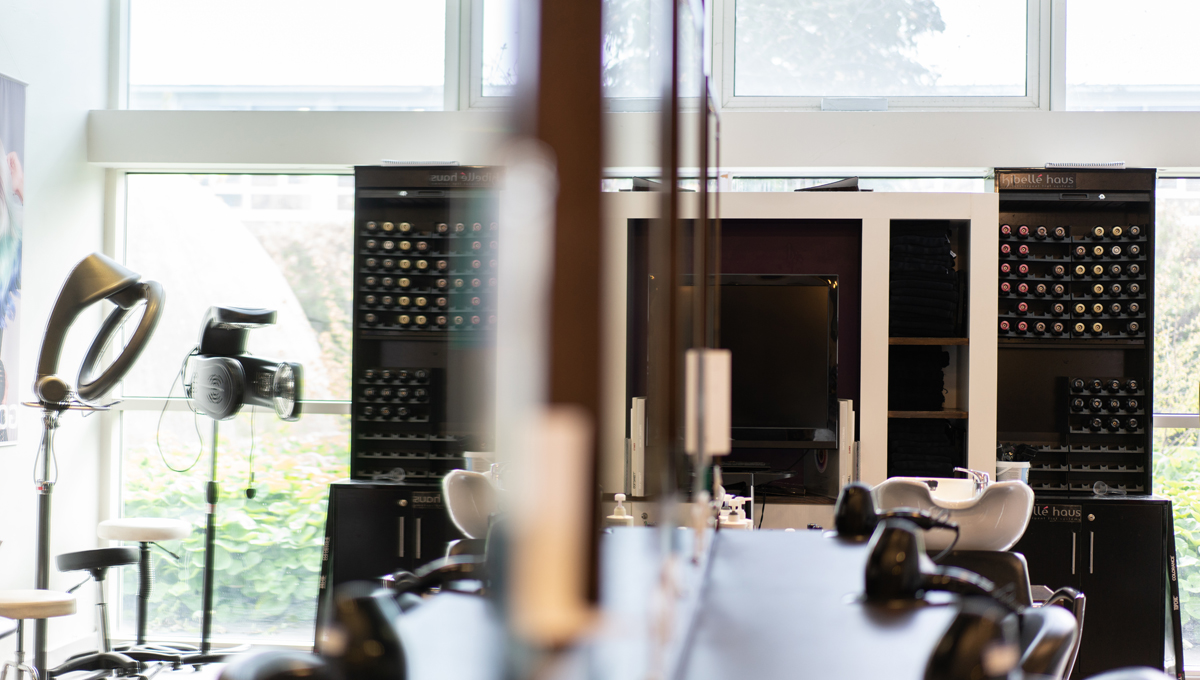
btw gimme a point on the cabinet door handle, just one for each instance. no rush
(1073, 553)
(401, 536)
(1092, 552)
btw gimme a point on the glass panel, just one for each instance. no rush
(287, 54)
(1177, 476)
(632, 54)
(499, 48)
(894, 48)
(246, 241)
(1138, 56)
(268, 554)
(1177, 296)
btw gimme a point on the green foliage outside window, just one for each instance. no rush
(1177, 476)
(1176, 381)
(268, 549)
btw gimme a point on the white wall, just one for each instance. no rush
(60, 48)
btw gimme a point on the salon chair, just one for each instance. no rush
(97, 563)
(983, 626)
(1010, 573)
(1048, 636)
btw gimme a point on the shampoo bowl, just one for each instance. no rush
(993, 519)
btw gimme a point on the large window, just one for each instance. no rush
(632, 59)
(880, 48)
(287, 54)
(1176, 380)
(1132, 56)
(277, 241)
(405, 54)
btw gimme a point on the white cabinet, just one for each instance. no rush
(972, 378)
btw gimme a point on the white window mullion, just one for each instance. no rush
(452, 71)
(1039, 61)
(725, 40)
(1058, 55)
(118, 55)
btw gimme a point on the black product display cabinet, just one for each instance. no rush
(1116, 551)
(424, 315)
(1075, 381)
(1075, 358)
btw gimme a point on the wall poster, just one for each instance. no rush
(12, 223)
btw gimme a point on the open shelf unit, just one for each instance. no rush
(928, 376)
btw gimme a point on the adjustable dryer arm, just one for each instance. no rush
(126, 300)
(94, 279)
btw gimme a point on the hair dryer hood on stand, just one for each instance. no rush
(94, 279)
(222, 376)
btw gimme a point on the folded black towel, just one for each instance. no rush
(929, 240)
(914, 275)
(910, 249)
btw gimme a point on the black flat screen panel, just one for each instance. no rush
(780, 339)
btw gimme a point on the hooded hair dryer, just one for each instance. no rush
(94, 279)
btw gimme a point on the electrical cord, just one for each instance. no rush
(250, 491)
(946, 551)
(762, 513)
(195, 421)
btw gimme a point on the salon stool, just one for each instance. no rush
(97, 562)
(143, 531)
(31, 604)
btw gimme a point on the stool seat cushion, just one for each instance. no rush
(143, 529)
(35, 604)
(97, 559)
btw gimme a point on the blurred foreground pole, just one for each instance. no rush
(548, 341)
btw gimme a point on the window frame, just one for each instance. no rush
(112, 421)
(472, 72)
(1039, 40)
(456, 59)
(115, 238)
(463, 78)
(1175, 421)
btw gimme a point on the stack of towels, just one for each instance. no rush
(915, 378)
(926, 292)
(923, 448)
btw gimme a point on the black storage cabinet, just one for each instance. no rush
(1115, 551)
(374, 529)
